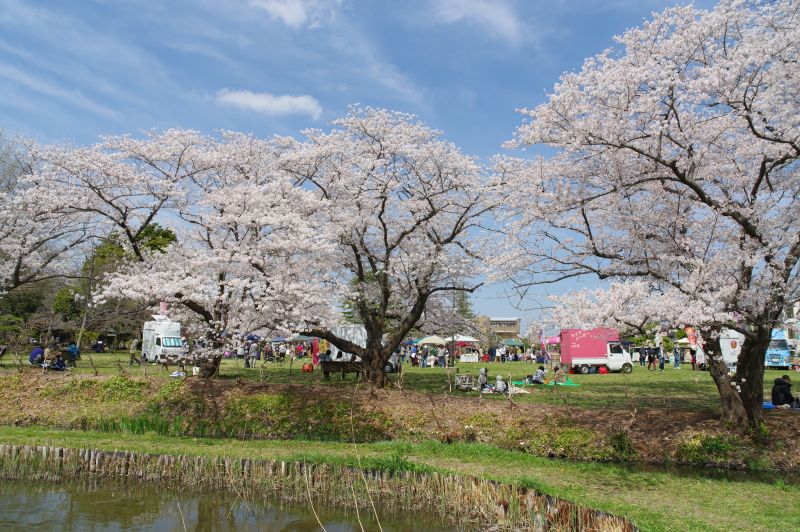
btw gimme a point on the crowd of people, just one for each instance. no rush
(655, 358)
(54, 357)
(254, 350)
(430, 356)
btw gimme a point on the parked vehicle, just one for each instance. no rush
(161, 338)
(595, 348)
(778, 354)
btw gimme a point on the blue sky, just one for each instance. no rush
(72, 71)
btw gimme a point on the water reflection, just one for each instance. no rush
(109, 506)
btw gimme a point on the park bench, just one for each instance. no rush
(336, 366)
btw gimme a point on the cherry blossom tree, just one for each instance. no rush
(246, 256)
(37, 241)
(406, 210)
(122, 183)
(676, 164)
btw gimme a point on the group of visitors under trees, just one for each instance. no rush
(538, 378)
(430, 356)
(253, 350)
(54, 356)
(652, 357)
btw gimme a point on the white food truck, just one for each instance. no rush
(161, 338)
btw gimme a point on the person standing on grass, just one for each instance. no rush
(694, 359)
(252, 355)
(660, 358)
(651, 358)
(676, 357)
(72, 354)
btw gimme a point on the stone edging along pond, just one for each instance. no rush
(463, 501)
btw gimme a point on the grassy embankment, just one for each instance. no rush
(680, 390)
(654, 500)
(646, 416)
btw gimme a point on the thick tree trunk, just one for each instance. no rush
(750, 375)
(210, 367)
(374, 360)
(741, 396)
(734, 414)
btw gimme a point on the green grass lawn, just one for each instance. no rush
(654, 500)
(681, 389)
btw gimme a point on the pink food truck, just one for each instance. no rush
(596, 348)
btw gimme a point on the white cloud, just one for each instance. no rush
(270, 104)
(298, 13)
(498, 17)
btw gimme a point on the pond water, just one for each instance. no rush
(112, 505)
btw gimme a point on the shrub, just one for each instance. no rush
(705, 450)
(620, 442)
(120, 388)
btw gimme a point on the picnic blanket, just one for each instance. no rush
(524, 384)
(769, 406)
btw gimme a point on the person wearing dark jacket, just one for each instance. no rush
(782, 392)
(37, 356)
(72, 354)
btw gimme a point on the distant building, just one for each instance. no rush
(505, 328)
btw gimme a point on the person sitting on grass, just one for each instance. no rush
(500, 385)
(483, 378)
(782, 394)
(37, 356)
(559, 377)
(58, 364)
(538, 377)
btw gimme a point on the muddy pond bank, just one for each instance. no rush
(463, 502)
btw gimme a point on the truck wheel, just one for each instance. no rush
(584, 369)
(626, 368)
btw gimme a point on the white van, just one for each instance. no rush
(161, 338)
